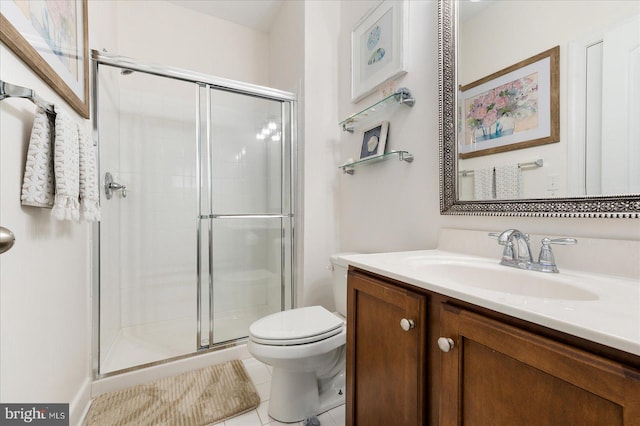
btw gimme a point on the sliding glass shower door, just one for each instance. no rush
(147, 234)
(196, 237)
(245, 212)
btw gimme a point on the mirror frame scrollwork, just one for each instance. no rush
(617, 206)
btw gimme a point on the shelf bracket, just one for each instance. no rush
(405, 156)
(403, 96)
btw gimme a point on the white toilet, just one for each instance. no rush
(306, 348)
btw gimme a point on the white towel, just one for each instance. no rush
(66, 166)
(89, 192)
(37, 185)
(508, 182)
(483, 184)
(61, 168)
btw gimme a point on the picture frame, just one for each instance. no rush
(51, 38)
(514, 108)
(379, 46)
(374, 140)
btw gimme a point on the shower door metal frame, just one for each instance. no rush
(210, 82)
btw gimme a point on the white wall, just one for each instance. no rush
(304, 48)
(45, 319)
(164, 33)
(44, 343)
(286, 48)
(395, 206)
(321, 142)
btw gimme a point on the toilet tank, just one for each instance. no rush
(339, 269)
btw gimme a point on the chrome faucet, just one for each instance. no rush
(517, 251)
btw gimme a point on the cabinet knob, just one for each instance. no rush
(445, 344)
(407, 324)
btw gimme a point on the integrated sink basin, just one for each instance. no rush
(598, 303)
(485, 275)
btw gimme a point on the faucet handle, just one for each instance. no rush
(560, 241)
(503, 239)
(546, 260)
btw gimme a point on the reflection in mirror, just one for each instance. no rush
(493, 97)
(599, 52)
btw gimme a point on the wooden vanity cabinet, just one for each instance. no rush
(497, 374)
(385, 362)
(500, 371)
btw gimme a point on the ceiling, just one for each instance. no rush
(256, 14)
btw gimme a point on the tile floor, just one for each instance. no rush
(261, 376)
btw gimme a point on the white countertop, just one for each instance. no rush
(611, 317)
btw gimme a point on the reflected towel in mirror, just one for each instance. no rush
(483, 188)
(508, 179)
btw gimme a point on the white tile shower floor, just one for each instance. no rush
(261, 376)
(156, 341)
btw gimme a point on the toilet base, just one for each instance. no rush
(296, 395)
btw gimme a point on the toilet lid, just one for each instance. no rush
(296, 326)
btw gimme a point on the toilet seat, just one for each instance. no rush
(296, 327)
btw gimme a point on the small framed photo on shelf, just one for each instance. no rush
(374, 140)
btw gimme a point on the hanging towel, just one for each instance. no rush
(61, 168)
(89, 195)
(483, 184)
(38, 185)
(66, 166)
(508, 182)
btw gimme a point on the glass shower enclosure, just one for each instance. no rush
(196, 237)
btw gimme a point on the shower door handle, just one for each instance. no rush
(110, 186)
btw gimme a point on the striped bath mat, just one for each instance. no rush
(196, 398)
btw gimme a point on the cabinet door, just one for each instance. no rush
(385, 363)
(497, 374)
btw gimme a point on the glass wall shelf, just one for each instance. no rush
(349, 168)
(402, 96)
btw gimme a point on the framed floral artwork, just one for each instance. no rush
(374, 140)
(51, 38)
(514, 108)
(379, 45)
